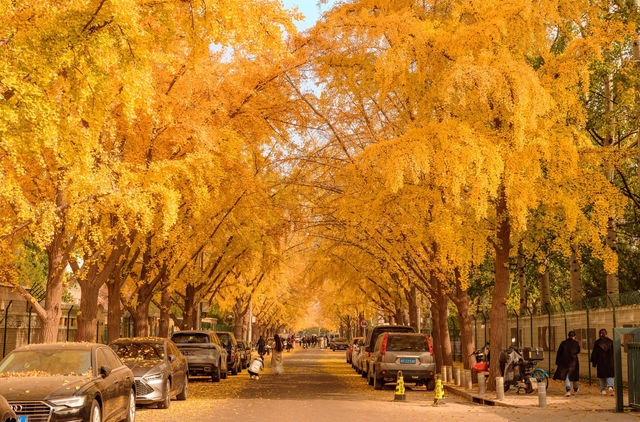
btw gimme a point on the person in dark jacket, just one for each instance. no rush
(568, 363)
(261, 346)
(602, 358)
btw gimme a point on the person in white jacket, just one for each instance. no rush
(256, 366)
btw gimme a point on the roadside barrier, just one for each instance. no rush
(399, 394)
(439, 393)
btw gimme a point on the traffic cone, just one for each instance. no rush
(399, 395)
(439, 393)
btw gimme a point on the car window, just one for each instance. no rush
(112, 359)
(101, 359)
(408, 343)
(381, 330)
(378, 344)
(215, 339)
(241, 345)
(181, 338)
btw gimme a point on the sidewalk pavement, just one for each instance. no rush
(587, 399)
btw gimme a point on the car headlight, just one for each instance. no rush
(154, 377)
(69, 402)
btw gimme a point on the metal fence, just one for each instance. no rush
(545, 327)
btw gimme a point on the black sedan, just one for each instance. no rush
(6, 413)
(68, 382)
(160, 370)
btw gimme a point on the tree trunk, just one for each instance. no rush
(141, 319)
(412, 300)
(114, 315)
(88, 315)
(435, 334)
(467, 346)
(522, 281)
(53, 299)
(613, 287)
(447, 355)
(575, 276)
(188, 315)
(165, 305)
(545, 288)
(498, 311)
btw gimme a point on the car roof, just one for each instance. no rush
(154, 340)
(59, 346)
(191, 332)
(406, 334)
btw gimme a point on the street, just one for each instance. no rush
(320, 386)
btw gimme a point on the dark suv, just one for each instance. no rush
(228, 341)
(372, 337)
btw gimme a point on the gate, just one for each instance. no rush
(633, 362)
(632, 341)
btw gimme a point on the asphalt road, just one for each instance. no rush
(319, 385)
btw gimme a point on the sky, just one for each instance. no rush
(311, 9)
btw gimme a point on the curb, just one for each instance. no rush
(477, 399)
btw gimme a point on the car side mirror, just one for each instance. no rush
(105, 371)
(172, 358)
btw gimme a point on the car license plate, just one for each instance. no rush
(22, 419)
(407, 361)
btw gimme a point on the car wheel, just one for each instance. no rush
(223, 373)
(430, 384)
(370, 379)
(166, 401)
(215, 377)
(234, 370)
(185, 389)
(131, 409)
(96, 413)
(377, 383)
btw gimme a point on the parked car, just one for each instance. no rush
(6, 413)
(244, 351)
(338, 344)
(161, 371)
(68, 381)
(204, 352)
(354, 342)
(358, 353)
(407, 352)
(228, 341)
(372, 337)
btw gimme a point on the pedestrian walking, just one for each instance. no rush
(261, 346)
(276, 356)
(568, 363)
(602, 359)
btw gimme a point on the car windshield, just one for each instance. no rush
(190, 338)
(47, 363)
(139, 351)
(408, 343)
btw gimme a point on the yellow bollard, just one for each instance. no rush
(399, 395)
(439, 393)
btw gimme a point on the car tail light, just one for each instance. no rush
(429, 343)
(384, 344)
(369, 354)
